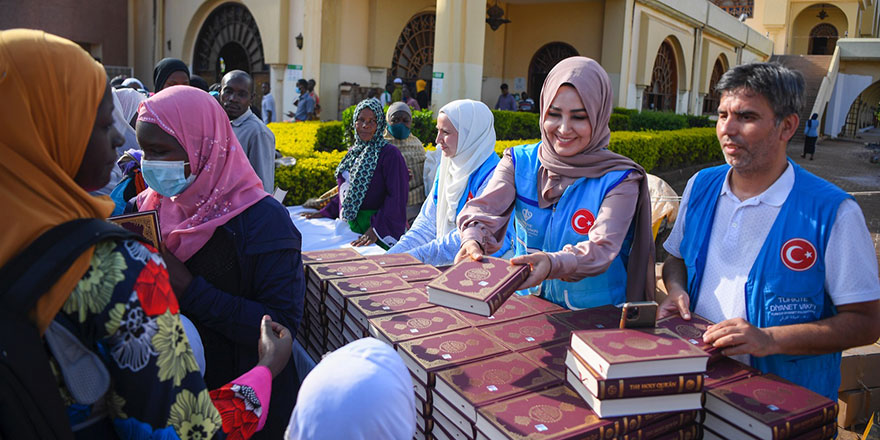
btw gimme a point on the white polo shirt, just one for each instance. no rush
(738, 233)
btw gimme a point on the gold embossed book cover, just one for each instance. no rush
(144, 223)
(478, 287)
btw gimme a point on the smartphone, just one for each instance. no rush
(638, 314)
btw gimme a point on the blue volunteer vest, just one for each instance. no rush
(786, 284)
(475, 181)
(566, 222)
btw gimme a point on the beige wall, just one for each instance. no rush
(805, 20)
(713, 50)
(388, 18)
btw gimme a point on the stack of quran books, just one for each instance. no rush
(622, 372)
(768, 407)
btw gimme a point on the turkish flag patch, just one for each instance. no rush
(798, 254)
(582, 221)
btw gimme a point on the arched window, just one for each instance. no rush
(414, 53)
(662, 94)
(713, 98)
(228, 40)
(543, 61)
(823, 38)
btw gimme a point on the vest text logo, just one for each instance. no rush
(798, 254)
(582, 221)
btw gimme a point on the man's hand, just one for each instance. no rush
(366, 239)
(540, 263)
(274, 346)
(677, 302)
(737, 336)
(469, 249)
(177, 272)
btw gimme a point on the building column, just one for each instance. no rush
(696, 73)
(640, 95)
(616, 44)
(459, 40)
(698, 108)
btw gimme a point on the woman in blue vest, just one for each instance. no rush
(466, 137)
(582, 213)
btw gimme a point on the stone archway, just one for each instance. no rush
(413, 57)
(823, 39)
(662, 94)
(543, 61)
(229, 39)
(713, 98)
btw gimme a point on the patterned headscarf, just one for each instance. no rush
(361, 159)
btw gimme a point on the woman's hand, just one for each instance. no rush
(367, 239)
(177, 272)
(316, 214)
(540, 264)
(275, 345)
(469, 249)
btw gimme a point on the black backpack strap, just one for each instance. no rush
(32, 272)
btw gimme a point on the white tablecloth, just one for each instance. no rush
(324, 233)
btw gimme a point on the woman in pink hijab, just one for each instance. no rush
(232, 252)
(582, 212)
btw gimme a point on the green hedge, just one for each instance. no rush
(330, 137)
(618, 122)
(651, 120)
(312, 176)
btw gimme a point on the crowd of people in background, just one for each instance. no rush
(194, 339)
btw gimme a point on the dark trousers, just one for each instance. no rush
(810, 145)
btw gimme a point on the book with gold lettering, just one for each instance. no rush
(554, 413)
(426, 356)
(394, 260)
(345, 269)
(478, 287)
(530, 332)
(418, 272)
(626, 388)
(627, 353)
(364, 308)
(600, 317)
(330, 256)
(768, 407)
(550, 357)
(145, 223)
(383, 282)
(635, 405)
(414, 324)
(513, 308)
(540, 304)
(477, 384)
(725, 371)
(667, 429)
(692, 331)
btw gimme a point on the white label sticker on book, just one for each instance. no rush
(541, 427)
(492, 388)
(413, 330)
(600, 326)
(773, 407)
(386, 308)
(447, 356)
(693, 341)
(483, 283)
(530, 339)
(404, 276)
(339, 273)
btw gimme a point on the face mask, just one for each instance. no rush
(299, 91)
(399, 131)
(166, 177)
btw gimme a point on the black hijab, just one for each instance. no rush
(165, 68)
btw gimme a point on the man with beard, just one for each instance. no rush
(258, 142)
(779, 258)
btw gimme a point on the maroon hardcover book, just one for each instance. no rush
(555, 413)
(480, 383)
(769, 407)
(692, 331)
(384, 282)
(404, 326)
(363, 308)
(662, 428)
(625, 353)
(420, 285)
(330, 256)
(394, 260)
(477, 286)
(605, 389)
(513, 308)
(540, 304)
(682, 432)
(346, 269)
(725, 371)
(419, 272)
(550, 357)
(601, 317)
(525, 333)
(425, 356)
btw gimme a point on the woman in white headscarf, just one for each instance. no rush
(466, 137)
(125, 103)
(338, 398)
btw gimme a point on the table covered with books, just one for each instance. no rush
(535, 370)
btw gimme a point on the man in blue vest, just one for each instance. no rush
(779, 258)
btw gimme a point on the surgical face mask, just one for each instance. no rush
(299, 91)
(399, 131)
(166, 177)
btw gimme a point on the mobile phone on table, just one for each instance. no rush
(638, 314)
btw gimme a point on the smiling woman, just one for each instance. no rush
(588, 211)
